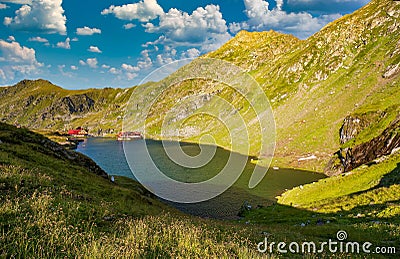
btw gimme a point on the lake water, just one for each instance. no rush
(109, 154)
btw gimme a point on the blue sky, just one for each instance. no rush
(116, 43)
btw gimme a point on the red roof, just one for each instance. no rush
(76, 132)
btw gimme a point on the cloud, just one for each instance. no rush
(94, 49)
(144, 62)
(15, 53)
(39, 15)
(191, 53)
(39, 39)
(143, 11)
(92, 62)
(63, 73)
(161, 59)
(129, 68)
(114, 71)
(18, 1)
(129, 26)
(182, 27)
(3, 6)
(131, 71)
(236, 27)
(204, 27)
(64, 44)
(131, 76)
(261, 17)
(74, 68)
(18, 59)
(105, 66)
(86, 31)
(11, 38)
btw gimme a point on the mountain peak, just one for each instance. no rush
(251, 49)
(255, 34)
(35, 84)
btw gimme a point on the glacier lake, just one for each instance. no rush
(109, 155)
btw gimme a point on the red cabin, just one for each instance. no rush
(77, 132)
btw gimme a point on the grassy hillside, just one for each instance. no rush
(364, 202)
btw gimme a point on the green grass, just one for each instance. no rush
(49, 222)
(360, 187)
(365, 203)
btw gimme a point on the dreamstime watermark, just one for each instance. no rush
(340, 245)
(239, 117)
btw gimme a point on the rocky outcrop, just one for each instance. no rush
(347, 159)
(352, 125)
(74, 104)
(391, 71)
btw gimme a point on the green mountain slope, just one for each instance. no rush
(349, 68)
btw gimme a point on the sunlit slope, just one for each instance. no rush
(350, 67)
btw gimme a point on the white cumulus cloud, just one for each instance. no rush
(18, 1)
(46, 16)
(191, 53)
(114, 71)
(205, 27)
(38, 39)
(196, 27)
(92, 62)
(15, 53)
(3, 6)
(87, 31)
(129, 68)
(94, 49)
(64, 44)
(129, 26)
(131, 76)
(143, 11)
(18, 59)
(261, 17)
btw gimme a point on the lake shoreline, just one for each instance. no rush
(109, 155)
